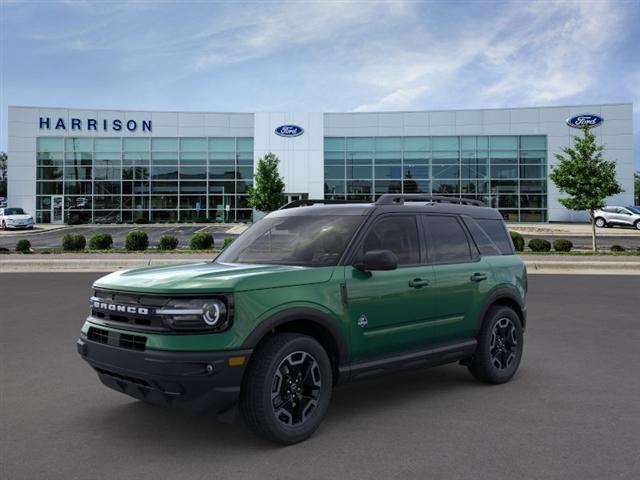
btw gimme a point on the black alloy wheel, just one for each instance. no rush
(504, 344)
(295, 390)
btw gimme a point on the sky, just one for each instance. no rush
(318, 55)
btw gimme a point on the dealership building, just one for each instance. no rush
(110, 166)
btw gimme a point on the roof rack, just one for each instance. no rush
(399, 199)
(308, 202)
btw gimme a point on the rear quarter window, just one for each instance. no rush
(496, 230)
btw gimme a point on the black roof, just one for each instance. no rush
(391, 203)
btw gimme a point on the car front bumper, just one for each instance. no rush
(197, 381)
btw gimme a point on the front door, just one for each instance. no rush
(57, 209)
(391, 311)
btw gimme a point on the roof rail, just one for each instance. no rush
(399, 199)
(308, 202)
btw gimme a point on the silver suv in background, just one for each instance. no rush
(624, 216)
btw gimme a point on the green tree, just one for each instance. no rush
(267, 193)
(3, 174)
(636, 187)
(585, 177)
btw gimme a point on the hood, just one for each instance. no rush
(18, 217)
(211, 278)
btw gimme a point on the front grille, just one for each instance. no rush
(123, 340)
(133, 342)
(140, 312)
(98, 335)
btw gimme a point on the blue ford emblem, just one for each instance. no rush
(588, 120)
(289, 131)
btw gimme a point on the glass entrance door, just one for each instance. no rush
(57, 209)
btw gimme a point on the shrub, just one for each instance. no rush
(167, 242)
(4, 250)
(227, 241)
(539, 245)
(73, 242)
(23, 246)
(517, 240)
(136, 240)
(74, 220)
(101, 241)
(562, 245)
(142, 220)
(201, 241)
(617, 248)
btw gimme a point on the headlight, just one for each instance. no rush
(195, 314)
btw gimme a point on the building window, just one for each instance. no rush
(106, 180)
(507, 172)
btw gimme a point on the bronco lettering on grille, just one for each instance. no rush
(112, 307)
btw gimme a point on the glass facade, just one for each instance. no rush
(109, 180)
(508, 172)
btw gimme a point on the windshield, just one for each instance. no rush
(634, 209)
(310, 241)
(13, 211)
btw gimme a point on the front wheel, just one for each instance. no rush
(637, 224)
(287, 388)
(500, 345)
(600, 222)
(4, 225)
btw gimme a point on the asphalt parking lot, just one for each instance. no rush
(572, 412)
(53, 238)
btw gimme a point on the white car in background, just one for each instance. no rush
(623, 216)
(15, 218)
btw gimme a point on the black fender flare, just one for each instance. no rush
(500, 294)
(307, 314)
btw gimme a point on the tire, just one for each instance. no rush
(601, 222)
(637, 224)
(500, 345)
(4, 225)
(280, 417)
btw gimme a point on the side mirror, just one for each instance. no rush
(377, 260)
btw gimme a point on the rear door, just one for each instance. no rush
(462, 277)
(391, 311)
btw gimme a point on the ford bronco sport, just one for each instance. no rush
(314, 295)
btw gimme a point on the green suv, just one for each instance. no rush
(314, 295)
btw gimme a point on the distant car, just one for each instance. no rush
(624, 216)
(15, 218)
(3, 202)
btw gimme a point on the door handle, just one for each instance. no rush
(478, 277)
(418, 283)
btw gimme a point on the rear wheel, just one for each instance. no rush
(4, 225)
(500, 345)
(287, 388)
(637, 224)
(600, 222)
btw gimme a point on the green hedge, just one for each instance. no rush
(517, 240)
(73, 242)
(142, 220)
(23, 246)
(562, 245)
(539, 245)
(136, 240)
(167, 242)
(201, 241)
(101, 241)
(227, 241)
(617, 248)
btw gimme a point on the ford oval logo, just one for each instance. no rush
(289, 131)
(583, 120)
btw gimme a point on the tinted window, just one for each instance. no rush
(313, 241)
(481, 239)
(497, 232)
(398, 234)
(447, 241)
